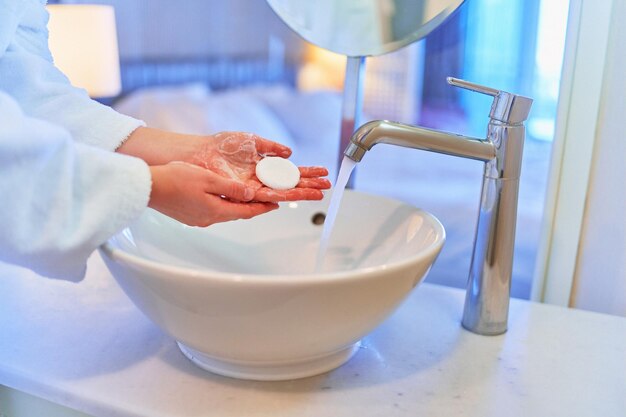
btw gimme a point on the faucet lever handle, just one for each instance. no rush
(457, 82)
(507, 107)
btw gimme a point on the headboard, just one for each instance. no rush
(218, 73)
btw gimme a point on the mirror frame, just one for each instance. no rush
(416, 35)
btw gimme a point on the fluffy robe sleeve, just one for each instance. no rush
(28, 74)
(61, 199)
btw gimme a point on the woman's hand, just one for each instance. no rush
(199, 197)
(234, 155)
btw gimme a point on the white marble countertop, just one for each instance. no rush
(85, 346)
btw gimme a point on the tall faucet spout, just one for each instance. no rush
(383, 131)
(489, 282)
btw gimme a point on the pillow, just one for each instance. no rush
(238, 110)
(193, 109)
(140, 100)
(309, 116)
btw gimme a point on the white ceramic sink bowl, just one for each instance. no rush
(242, 298)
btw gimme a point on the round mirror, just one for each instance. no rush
(363, 27)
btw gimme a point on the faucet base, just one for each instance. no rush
(494, 329)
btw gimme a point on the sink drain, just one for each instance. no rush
(318, 218)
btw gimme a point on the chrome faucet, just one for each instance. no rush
(489, 283)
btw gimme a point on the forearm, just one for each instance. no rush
(158, 147)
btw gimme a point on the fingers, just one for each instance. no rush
(269, 148)
(310, 178)
(229, 210)
(310, 172)
(233, 189)
(294, 194)
(317, 183)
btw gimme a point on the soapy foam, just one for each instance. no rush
(241, 151)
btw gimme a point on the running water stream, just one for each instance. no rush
(347, 166)
(350, 119)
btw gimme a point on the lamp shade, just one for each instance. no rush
(83, 42)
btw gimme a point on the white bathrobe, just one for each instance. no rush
(64, 191)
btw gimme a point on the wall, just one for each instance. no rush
(600, 277)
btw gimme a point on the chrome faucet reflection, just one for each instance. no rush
(489, 283)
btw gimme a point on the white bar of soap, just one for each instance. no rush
(277, 173)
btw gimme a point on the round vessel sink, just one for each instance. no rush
(243, 299)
